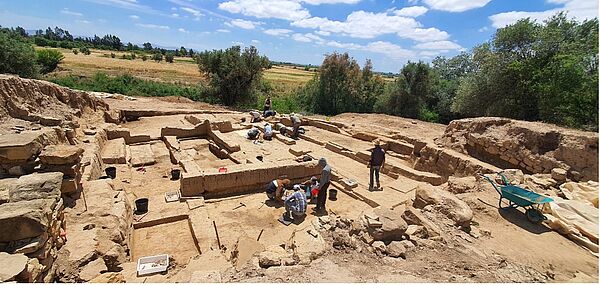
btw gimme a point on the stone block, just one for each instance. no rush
(70, 185)
(11, 265)
(37, 186)
(25, 219)
(61, 154)
(141, 155)
(559, 174)
(114, 152)
(20, 147)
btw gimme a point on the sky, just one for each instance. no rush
(389, 32)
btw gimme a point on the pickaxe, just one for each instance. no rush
(239, 206)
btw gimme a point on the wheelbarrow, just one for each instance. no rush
(519, 197)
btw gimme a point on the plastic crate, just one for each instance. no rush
(152, 264)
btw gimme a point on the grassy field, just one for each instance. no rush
(184, 71)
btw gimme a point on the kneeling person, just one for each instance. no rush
(295, 204)
(275, 189)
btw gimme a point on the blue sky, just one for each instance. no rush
(390, 32)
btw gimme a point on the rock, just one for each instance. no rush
(5, 187)
(114, 257)
(272, 256)
(396, 249)
(426, 195)
(16, 171)
(92, 270)
(415, 217)
(37, 186)
(392, 228)
(407, 244)
(109, 277)
(559, 174)
(416, 231)
(89, 132)
(11, 265)
(34, 271)
(25, 219)
(379, 247)
(462, 185)
(514, 176)
(61, 154)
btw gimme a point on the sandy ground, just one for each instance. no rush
(513, 250)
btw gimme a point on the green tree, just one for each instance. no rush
(48, 59)
(158, 57)
(234, 74)
(17, 56)
(169, 57)
(407, 95)
(85, 50)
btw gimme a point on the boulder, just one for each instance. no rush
(37, 186)
(426, 195)
(11, 265)
(559, 174)
(462, 185)
(414, 217)
(514, 176)
(396, 249)
(379, 247)
(25, 219)
(272, 257)
(5, 187)
(392, 225)
(61, 154)
(92, 270)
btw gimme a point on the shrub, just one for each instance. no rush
(75, 51)
(158, 57)
(169, 57)
(48, 59)
(85, 50)
(17, 56)
(112, 55)
(144, 57)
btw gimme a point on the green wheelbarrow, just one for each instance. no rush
(519, 197)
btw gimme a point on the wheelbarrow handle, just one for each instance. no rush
(496, 187)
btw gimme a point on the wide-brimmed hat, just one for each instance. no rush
(377, 142)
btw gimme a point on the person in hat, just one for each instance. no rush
(295, 204)
(376, 164)
(268, 132)
(323, 186)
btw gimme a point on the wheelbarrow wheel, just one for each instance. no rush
(535, 216)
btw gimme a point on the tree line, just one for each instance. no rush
(529, 71)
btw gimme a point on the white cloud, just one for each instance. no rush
(237, 43)
(280, 9)
(223, 31)
(483, 29)
(429, 53)
(175, 15)
(388, 49)
(66, 11)
(247, 25)
(319, 2)
(306, 38)
(439, 45)
(413, 11)
(580, 9)
(153, 26)
(277, 32)
(183, 30)
(323, 33)
(83, 22)
(455, 5)
(255, 41)
(194, 12)
(134, 17)
(367, 25)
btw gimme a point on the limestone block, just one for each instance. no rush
(11, 265)
(92, 270)
(67, 170)
(400, 147)
(414, 217)
(114, 152)
(20, 147)
(559, 174)
(70, 185)
(396, 249)
(142, 155)
(25, 219)
(37, 186)
(61, 154)
(392, 225)
(110, 277)
(450, 205)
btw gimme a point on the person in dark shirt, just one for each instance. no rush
(323, 186)
(376, 164)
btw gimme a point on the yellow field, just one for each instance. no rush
(183, 70)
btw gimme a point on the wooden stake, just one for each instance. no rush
(217, 233)
(261, 231)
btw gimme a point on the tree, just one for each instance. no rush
(182, 51)
(48, 59)
(17, 56)
(169, 57)
(234, 74)
(148, 47)
(158, 57)
(406, 96)
(85, 50)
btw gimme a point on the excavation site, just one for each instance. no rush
(99, 187)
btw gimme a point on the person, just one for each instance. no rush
(311, 187)
(376, 164)
(283, 130)
(296, 125)
(268, 132)
(323, 186)
(295, 204)
(255, 117)
(267, 105)
(269, 113)
(275, 189)
(253, 133)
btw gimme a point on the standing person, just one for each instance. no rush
(296, 124)
(324, 185)
(376, 164)
(267, 105)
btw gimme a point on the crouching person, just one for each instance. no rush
(295, 205)
(275, 189)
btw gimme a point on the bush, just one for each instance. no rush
(112, 55)
(158, 57)
(169, 57)
(75, 51)
(144, 57)
(48, 59)
(17, 56)
(85, 50)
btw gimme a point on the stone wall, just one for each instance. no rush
(531, 147)
(33, 226)
(242, 179)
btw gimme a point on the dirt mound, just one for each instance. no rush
(532, 147)
(43, 102)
